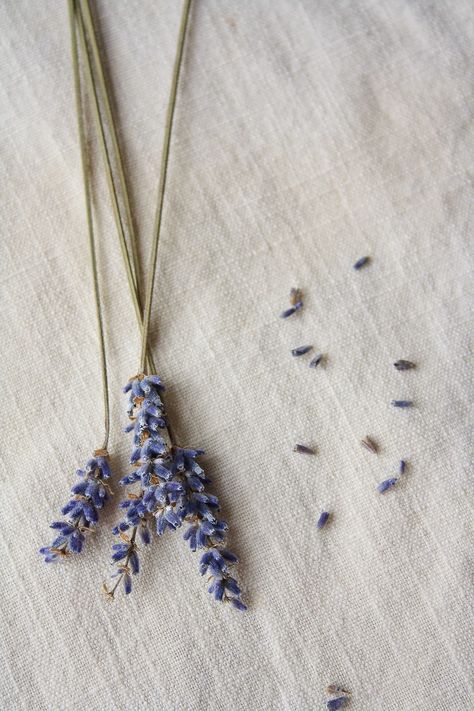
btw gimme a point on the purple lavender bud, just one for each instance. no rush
(238, 604)
(134, 563)
(288, 312)
(337, 703)
(323, 519)
(402, 403)
(386, 485)
(303, 449)
(402, 466)
(404, 365)
(361, 263)
(301, 350)
(127, 583)
(316, 360)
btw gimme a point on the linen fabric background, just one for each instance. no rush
(307, 135)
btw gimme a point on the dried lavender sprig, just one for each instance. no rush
(90, 494)
(301, 350)
(323, 519)
(402, 403)
(303, 449)
(404, 365)
(386, 485)
(171, 489)
(88, 497)
(361, 263)
(337, 703)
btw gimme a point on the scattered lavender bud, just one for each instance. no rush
(404, 365)
(288, 312)
(316, 360)
(303, 449)
(296, 297)
(386, 485)
(337, 703)
(323, 519)
(370, 445)
(361, 263)
(301, 350)
(402, 466)
(170, 489)
(292, 310)
(88, 497)
(334, 689)
(402, 403)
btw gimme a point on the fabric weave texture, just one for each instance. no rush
(307, 135)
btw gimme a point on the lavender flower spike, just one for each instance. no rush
(88, 497)
(169, 490)
(301, 350)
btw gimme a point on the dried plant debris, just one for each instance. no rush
(303, 449)
(316, 360)
(323, 519)
(404, 365)
(362, 262)
(296, 303)
(370, 445)
(301, 350)
(403, 404)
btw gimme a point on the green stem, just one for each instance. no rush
(162, 182)
(89, 25)
(100, 127)
(90, 225)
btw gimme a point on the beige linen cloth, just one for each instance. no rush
(307, 135)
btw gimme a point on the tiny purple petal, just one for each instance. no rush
(402, 403)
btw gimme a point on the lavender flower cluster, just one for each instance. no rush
(88, 497)
(171, 490)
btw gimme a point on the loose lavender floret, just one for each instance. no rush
(88, 497)
(316, 360)
(337, 703)
(292, 310)
(402, 466)
(386, 485)
(323, 519)
(361, 263)
(404, 365)
(170, 489)
(402, 403)
(303, 449)
(301, 350)
(296, 301)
